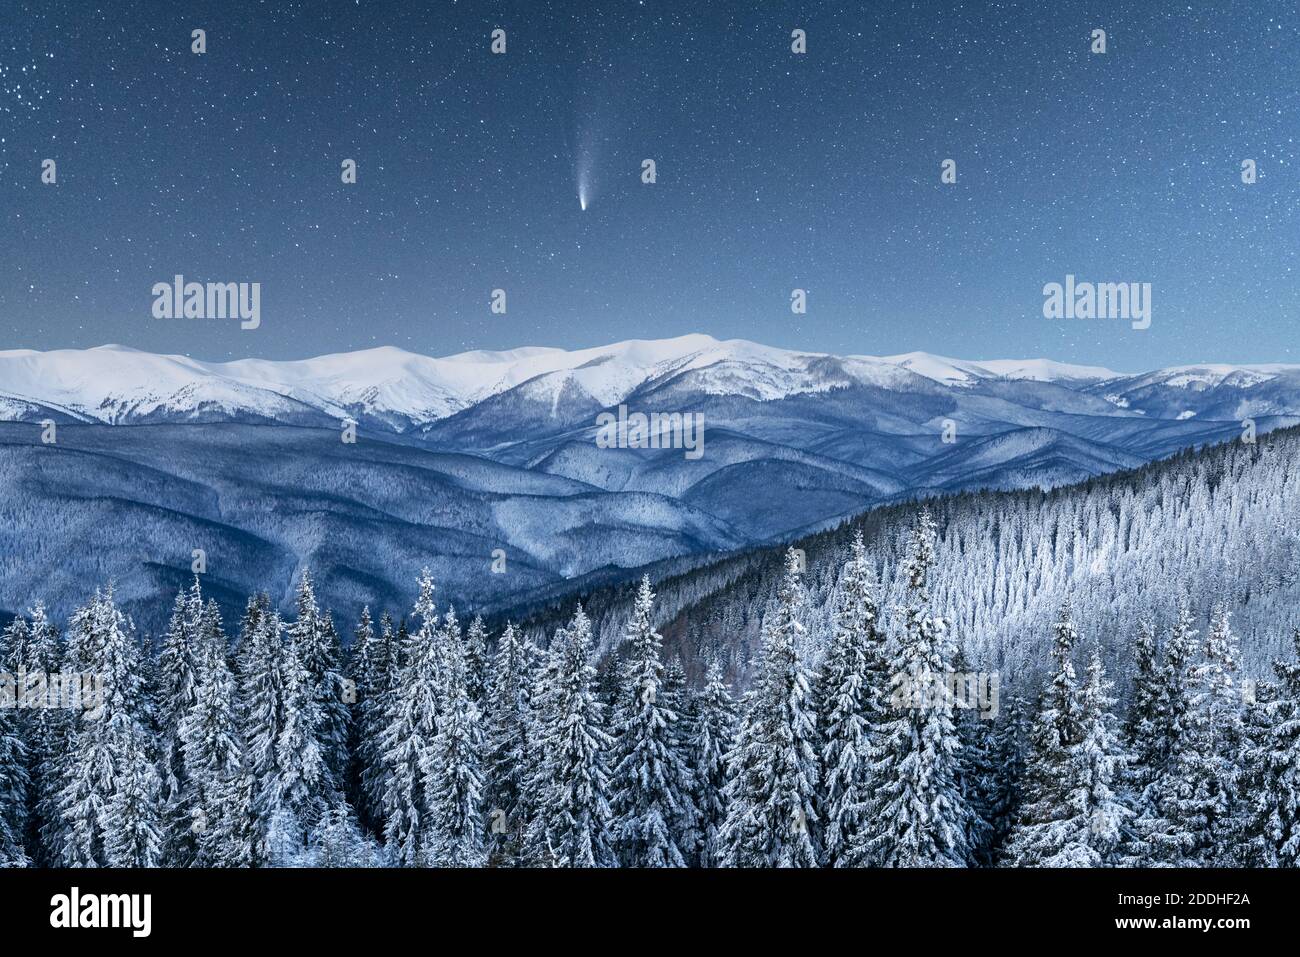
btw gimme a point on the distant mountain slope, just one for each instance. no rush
(1216, 526)
(132, 504)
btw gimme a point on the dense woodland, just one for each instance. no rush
(428, 743)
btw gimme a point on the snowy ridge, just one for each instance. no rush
(116, 384)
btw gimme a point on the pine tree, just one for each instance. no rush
(713, 735)
(849, 704)
(452, 765)
(13, 789)
(360, 679)
(133, 818)
(262, 716)
(381, 690)
(918, 817)
(476, 662)
(773, 772)
(573, 821)
(316, 642)
(1152, 839)
(213, 751)
(1056, 729)
(509, 760)
(35, 652)
(108, 741)
(1143, 725)
(1083, 827)
(15, 774)
(646, 774)
(304, 786)
(1273, 815)
(1010, 743)
(676, 695)
(977, 771)
(409, 731)
(177, 691)
(1199, 804)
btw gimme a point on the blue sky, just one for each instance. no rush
(775, 171)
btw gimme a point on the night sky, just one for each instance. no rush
(775, 171)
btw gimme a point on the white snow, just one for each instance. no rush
(114, 383)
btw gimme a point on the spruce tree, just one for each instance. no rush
(213, 750)
(476, 662)
(849, 704)
(1273, 815)
(509, 760)
(408, 733)
(13, 789)
(108, 741)
(773, 771)
(917, 814)
(713, 733)
(316, 642)
(452, 765)
(1204, 820)
(572, 826)
(1079, 824)
(646, 775)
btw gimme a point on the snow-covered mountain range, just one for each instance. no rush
(403, 391)
(460, 456)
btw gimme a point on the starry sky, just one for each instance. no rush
(775, 171)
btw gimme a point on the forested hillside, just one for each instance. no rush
(1219, 525)
(937, 690)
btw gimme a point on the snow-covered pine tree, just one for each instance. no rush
(385, 671)
(476, 662)
(1010, 743)
(916, 812)
(676, 695)
(317, 644)
(359, 670)
(509, 760)
(106, 739)
(213, 750)
(304, 785)
(15, 776)
(1273, 824)
(773, 771)
(13, 790)
(1152, 840)
(1063, 695)
(408, 733)
(646, 775)
(1202, 812)
(262, 657)
(176, 694)
(1056, 729)
(849, 703)
(133, 818)
(1084, 829)
(977, 772)
(713, 734)
(45, 734)
(453, 769)
(337, 841)
(1142, 726)
(573, 821)
(1263, 711)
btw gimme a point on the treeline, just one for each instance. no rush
(427, 744)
